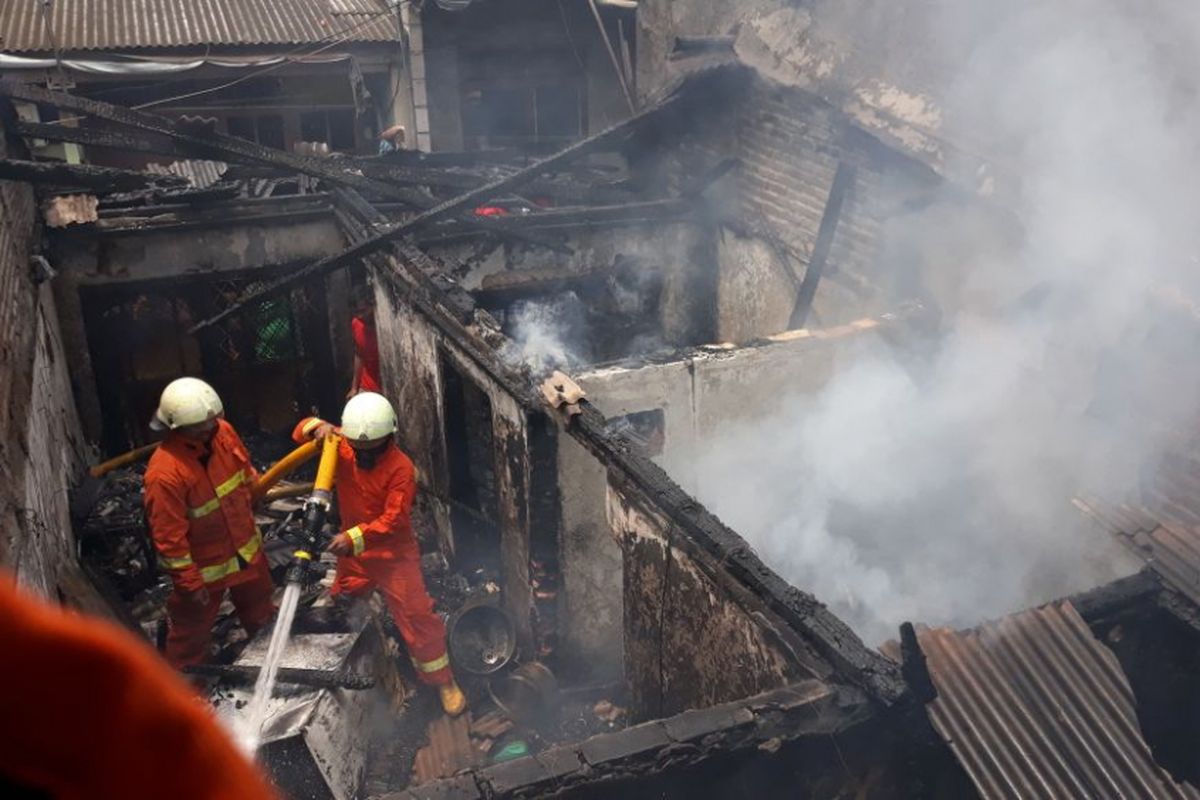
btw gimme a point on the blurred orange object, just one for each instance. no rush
(89, 711)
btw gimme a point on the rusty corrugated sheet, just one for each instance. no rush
(449, 750)
(72, 209)
(79, 25)
(1171, 548)
(1034, 706)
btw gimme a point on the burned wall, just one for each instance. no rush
(791, 145)
(634, 288)
(689, 643)
(767, 212)
(186, 272)
(703, 393)
(226, 247)
(42, 450)
(415, 361)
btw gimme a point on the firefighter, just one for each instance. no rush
(366, 345)
(198, 503)
(376, 484)
(88, 710)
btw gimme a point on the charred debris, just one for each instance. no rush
(614, 634)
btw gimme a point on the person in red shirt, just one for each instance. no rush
(199, 507)
(376, 484)
(88, 710)
(366, 345)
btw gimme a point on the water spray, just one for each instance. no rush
(316, 511)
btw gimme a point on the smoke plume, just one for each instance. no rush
(934, 484)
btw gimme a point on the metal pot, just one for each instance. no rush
(482, 638)
(528, 695)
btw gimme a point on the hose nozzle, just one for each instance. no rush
(316, 510)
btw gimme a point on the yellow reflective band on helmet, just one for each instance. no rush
(433, 666)
(182, 562)
(246, 554)
(231, 483)
(302, 554)
(356, 536)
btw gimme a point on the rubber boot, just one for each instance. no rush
(454, 702)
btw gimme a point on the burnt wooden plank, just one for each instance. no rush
(208, 144)
(842, 180)
(112, 139)
(582, 217)
(85, 176)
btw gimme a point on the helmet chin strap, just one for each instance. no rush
(366, 458)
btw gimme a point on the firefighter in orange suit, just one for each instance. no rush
(198, 503)
(376, 484)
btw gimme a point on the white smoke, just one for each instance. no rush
(936, 486)
(545, 332)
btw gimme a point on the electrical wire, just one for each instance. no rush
(344, 36)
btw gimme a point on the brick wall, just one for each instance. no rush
(789, 144)
(41, 445)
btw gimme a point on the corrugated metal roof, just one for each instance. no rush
(1034, 706)
(199, 173)
(77, 25)
(1170, 548)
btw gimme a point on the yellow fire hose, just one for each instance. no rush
(123, 460)
(285, 492)
(327, 468)
(289, 463)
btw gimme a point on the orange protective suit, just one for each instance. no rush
(375, 506)
(89, 711)
(199, 506)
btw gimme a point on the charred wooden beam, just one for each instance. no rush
(385, 235)
(84, 176)
(124, 140)
(568, 192)
(696, 45)
(842, 179)
(502, 288)
(587, 217)
(207, 144)
(315, 678)
(232, 207)
(185, 220)
(1118, 597)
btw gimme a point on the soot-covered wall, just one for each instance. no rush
(42, 450)
(689, 643)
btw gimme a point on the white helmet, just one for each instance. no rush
(186, 401)
(368, 416)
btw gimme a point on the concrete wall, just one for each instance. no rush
(689, 643)
(683, 253)
(224, 248)
(700, 395)
(789, 144)
(85, 259)
(41, 445)
(410, 354)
